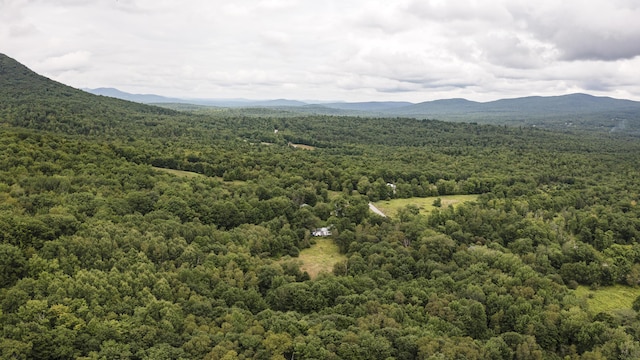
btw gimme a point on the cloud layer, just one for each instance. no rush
(354, 50)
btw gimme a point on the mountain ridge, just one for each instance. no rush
(342, 105)
(528, 110)
(159, 99)
(30, 100)
(577, 110)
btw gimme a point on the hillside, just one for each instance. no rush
(131, 231)
(34, 101)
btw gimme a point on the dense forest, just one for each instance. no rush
(135, 232)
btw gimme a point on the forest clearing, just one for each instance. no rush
(179, 173)
(608, 298)
(302, 146)
(320, 257)
(425, 205)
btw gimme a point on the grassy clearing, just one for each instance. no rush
(189, 174)
(391, 207)
(610, 298)
(320, 257)
(302, 146)
(179, 173)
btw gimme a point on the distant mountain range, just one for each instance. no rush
(29, 98)
(565, 111)
(140, 98)
(157, 99)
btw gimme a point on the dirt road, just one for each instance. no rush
(376, 210)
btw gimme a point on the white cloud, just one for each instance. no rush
(450, 12)
(22, 30)
(74, 61)
(353, 50)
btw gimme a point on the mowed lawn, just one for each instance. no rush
(391, 207)
(320, 257)
(609, 298)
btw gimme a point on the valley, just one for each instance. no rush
(144, 232)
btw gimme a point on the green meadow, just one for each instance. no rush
(320, 257)
(609, 298)
(179, 173)
(391, 207)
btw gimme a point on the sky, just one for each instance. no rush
(331, 50)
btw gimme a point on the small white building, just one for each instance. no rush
(323, 231)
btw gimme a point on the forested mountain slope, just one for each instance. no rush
(31, 100)
(106, 252)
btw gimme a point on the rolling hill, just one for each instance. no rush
(577, 110)
(581, 111)
(157, 99)
(31, 100)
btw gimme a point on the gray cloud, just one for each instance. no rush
(515, 50)
(602, 30)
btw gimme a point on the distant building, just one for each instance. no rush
(393, 187)
(323, 231)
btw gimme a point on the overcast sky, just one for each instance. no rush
(353, 50)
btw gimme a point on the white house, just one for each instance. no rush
(323, 231)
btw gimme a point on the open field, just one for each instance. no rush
(180, 173)
(302, 146)
(190, 174)
(391, 207)
(320, 257)
(608, 298)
